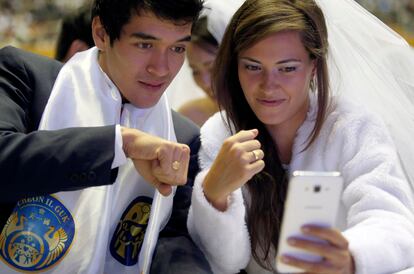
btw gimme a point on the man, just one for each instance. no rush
(113, 46)
(26, 80)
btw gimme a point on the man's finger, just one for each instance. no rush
(185, 159)
(179, 157)
(174, 179)
(164, 189)
(165, 157)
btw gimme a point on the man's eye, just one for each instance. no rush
(178, 49)
(144, 45)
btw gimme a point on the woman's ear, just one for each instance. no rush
(99, 34)
(313, 74)
(314, 63)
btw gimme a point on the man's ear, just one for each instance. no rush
(77, 45)
(99, 34)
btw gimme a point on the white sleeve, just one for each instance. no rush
(120, 157)
(378, 200)
(222, 236)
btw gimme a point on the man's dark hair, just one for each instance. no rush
(114, 14)
(76, 25)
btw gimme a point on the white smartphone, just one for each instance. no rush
(312, 198)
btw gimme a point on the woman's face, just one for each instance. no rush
(275, 74)
(201, 62)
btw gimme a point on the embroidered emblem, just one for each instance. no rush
(129, 234)
(37, 234)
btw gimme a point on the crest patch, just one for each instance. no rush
(129, 234)
(37, 234)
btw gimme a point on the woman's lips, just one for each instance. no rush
(271, 102)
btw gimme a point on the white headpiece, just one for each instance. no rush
(219, 14)
(371, 64)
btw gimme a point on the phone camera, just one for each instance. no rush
(317, 188)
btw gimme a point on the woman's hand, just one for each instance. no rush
(334, 250)
(239, 158)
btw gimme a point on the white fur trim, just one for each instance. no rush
(222, 236)
(376, 212)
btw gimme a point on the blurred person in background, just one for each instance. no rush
(75, 34)
(201, 53)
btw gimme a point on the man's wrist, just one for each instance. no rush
(128, 136)
(119, 154)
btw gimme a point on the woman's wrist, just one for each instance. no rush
(213, 195)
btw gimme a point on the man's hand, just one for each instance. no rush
(162, 163)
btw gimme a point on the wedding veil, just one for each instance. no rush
(219, 14)
(372, 65)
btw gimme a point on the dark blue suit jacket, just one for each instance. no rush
(43, 162)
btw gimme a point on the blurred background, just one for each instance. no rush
(34, 24)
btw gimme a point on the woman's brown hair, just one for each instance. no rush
(255, 20)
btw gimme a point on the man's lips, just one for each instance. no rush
(152, 85)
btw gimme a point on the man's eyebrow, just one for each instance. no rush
(145, 36)
(185, 39)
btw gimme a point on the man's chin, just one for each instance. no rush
(147, 103)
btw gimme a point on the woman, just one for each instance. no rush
(201, 54)
(279, 116)
(206, 36)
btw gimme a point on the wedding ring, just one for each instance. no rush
(175, 165)
(256, 155)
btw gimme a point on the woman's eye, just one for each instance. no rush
(287, 69)
(252, 67)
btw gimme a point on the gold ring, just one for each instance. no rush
(256, 155)
(175, 165)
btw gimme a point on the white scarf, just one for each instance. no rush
(83, 95)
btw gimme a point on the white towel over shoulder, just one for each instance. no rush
(83, 95)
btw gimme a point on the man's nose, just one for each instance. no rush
(158, 64)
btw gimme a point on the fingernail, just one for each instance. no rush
(306, 229)
(292, 241)
(285, 259)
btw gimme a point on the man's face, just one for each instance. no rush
(146, 57)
